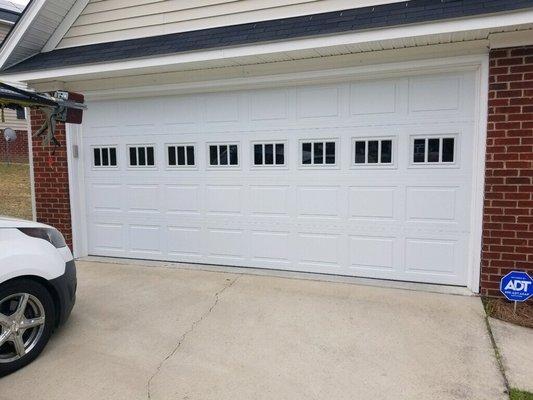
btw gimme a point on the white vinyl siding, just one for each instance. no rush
(112, 20)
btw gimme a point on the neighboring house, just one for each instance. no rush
(380, 139)
(18, 150)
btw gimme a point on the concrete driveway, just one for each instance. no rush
(159, 333)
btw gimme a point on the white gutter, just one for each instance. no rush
(410, 31)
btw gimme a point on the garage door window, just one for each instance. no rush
(181, 156)
(433, 150)
(269, 154)
(318, 153)
(104, 157)
(223, 155)
(372, 152)
(141, 156)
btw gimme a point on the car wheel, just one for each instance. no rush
(26, 321)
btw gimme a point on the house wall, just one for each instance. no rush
(18, 149)
(52, 198)
(508, 211)
(111, 20)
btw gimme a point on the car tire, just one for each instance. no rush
(24, 332)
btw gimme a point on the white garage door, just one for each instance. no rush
(364, 178)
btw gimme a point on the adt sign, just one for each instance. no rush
(517, 286)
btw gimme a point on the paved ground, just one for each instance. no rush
(516, 347)
(156, 333)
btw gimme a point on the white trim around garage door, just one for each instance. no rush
(478, 63)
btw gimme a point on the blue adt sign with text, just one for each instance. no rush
(517, 286)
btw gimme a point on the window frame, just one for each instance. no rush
(285, 164)
(175, 167)
(337, 163)
(104, 146)
(145, 145)
(219, 166)
(378, 165)
(434, 164)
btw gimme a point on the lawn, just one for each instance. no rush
(15, 192)
(519, 395)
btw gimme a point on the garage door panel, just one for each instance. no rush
(395, 221)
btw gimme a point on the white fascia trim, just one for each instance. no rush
(19, 30)
(443, 27)
(65, 25)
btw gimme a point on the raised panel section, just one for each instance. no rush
(318, 249)
(268, 105)
(179, 111)
(317, 102)
(271, 246)
(106, 197)
(226, 243)
(184, 241)
(430, 256)
(371, 202)
(182, 199)
(222, 107)
(107, 236)
(376, 97)
(269, 200)
(436, 93)
(224, 200)
(429, 203)
(143, 198)
(145, 239)
(371, 252)
(318, 201)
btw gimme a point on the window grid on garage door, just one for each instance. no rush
(181, 155)
(223, 155)
(104, 157)
(267, 154)
(433, 150)
(322, 152)
(373, 152)
(141, 156)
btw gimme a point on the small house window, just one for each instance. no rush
(181, 155)
(372, 152)
(141, 156)
(433, 150)
(105, 156)
(318, 153)
(269, 154)
(223, 155)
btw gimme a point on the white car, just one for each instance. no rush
(37, 289)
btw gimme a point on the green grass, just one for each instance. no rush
(15, 192)
(520, 395)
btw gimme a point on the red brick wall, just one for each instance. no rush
(51, 179)
(18, 149)
(508, 212)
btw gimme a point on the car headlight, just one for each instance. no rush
(51, 235)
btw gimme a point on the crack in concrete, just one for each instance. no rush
(187, 332)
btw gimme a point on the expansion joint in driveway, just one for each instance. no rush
(187, 332)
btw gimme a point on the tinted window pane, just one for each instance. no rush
(141, 156)
(233, 160)
(150, 156)
(171, 155)
(330, 153)
(419, 149)
(373, 151)
(386, 151)
(258, 154)
(97, 160)
(213, 155)
(269, 154)
(447, 149)
(133, 156)
(105, 157)
(190, 155)
(306, 153)
(181, 155)
(113, 156)
(280, 153)
(360, 153)
(433, 150)
(223, 155)
(318, 153)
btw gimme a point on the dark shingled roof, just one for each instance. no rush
(393, 14)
